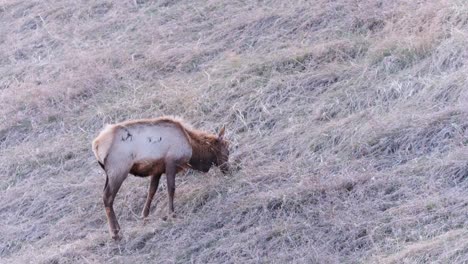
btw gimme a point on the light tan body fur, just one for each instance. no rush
(139, 144)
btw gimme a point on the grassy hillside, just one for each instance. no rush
(348, 122)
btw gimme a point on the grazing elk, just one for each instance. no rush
(151, 147)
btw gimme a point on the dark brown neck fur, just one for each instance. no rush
(203, 150)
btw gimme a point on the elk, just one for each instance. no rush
(151, 147)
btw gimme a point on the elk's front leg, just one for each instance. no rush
(170, 176)
(153, 187)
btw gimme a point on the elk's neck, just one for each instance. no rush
(203, 153)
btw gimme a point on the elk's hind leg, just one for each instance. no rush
(153, 187)
(113, 183)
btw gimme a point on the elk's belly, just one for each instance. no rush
(148, 167)
(153, 167)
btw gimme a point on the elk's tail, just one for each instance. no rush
(102, 144)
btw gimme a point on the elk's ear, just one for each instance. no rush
(221, 132)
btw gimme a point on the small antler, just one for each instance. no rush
(221, 132)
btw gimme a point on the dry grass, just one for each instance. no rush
(348, 119)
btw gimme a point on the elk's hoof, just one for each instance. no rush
(116, 237)
(144, 214)
(169, 217)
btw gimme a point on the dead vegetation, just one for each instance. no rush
(348, 122)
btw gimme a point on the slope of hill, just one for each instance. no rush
(348, 122)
